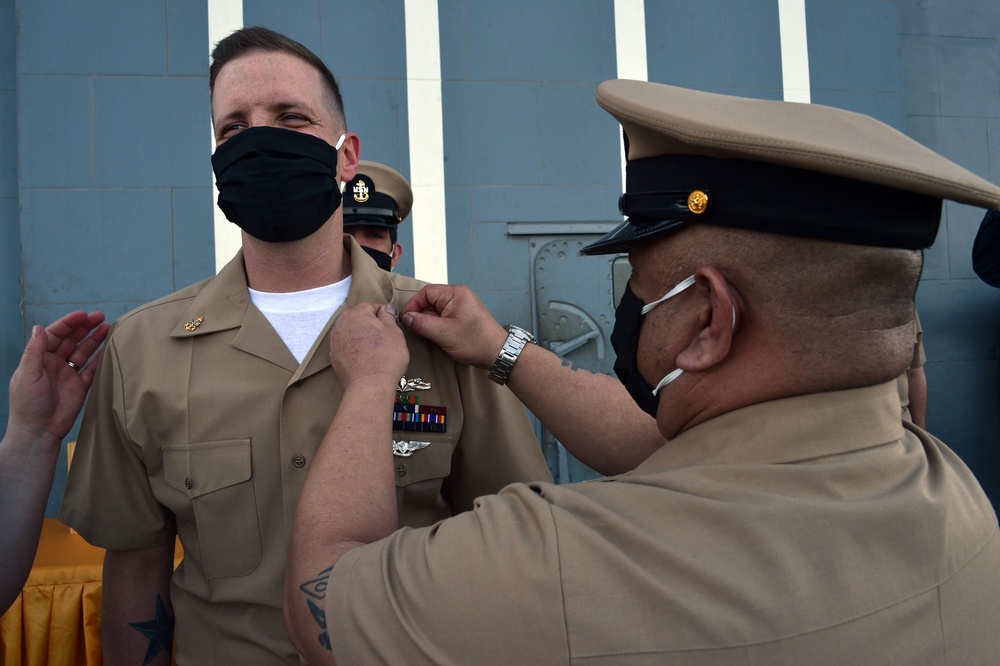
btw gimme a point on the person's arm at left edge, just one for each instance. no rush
(46, 395)
(917, 382)
(352, 471)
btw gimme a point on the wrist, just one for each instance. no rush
(25, 437)
(517, 339)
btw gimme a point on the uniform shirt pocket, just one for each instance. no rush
(217, 478)
(420, 478)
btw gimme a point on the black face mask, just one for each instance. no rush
(383, 260)
(276, 184)
(625, 341)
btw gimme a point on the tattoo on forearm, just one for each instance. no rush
(160, 632)
(566, 363)
(316, 589)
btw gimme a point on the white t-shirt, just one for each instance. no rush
(299, 316)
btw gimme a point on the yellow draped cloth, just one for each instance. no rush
(57, 619)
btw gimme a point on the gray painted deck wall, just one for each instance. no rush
(105, 180)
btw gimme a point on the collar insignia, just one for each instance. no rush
(193, 324)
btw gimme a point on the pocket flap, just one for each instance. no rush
(432, 462)
(203, 467)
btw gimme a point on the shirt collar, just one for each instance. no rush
(788, 430)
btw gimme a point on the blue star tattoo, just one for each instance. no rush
(160, 632)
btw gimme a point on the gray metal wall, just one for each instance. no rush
(105, 181)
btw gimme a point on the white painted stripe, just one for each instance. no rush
(224, 18)
(630, 48)
(794, 50)
(426, 130)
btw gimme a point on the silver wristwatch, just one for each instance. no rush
(516, 339)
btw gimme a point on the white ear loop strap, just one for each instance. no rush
(678, 372)
(681, 286)
(340, 142)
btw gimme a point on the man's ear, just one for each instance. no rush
(397, 252)
(716, 325)
(350, 153)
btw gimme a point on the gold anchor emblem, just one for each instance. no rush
(193, 324)
(697, 202)
(360, 191)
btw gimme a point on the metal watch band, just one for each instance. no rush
(516, 339)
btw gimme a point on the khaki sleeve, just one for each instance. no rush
(497, 447)
(108, 497)
(471, 589)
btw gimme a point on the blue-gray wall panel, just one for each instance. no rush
(8, 144)
(853, 46)
(968, 75)
(187, 38)
(8, 45)
(497, 270)
(525, 40)
(536, 204)
(993, 145)
(574, 133)
(132, 115)
(10, 232)
(372, 107)
(11, 340)
(963, 223)
(964, 18)
(364, 39)
(54, 132)
(96, 245)
(458, 204)
(490, 133)
(872, 45)
(509, 306)
(453, 39)
(966, 319)
(302, 22)
(715, 45)
(193, 235)
(754, 44)
(108, 37)
(920, 75)
(687, 43)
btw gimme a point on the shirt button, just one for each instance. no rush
(188, 483)
(401, 470)
(299, 460)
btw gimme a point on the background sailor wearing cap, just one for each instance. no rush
(792, 517)
(375, 202)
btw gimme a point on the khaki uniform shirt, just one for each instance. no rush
(810, 530)
(201, 423)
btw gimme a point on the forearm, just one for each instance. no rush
(137, 618)
(27, 467)
(591, 414)
(348, 500)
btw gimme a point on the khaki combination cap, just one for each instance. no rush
(778, 167)
(377, 196)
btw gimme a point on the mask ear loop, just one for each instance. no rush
(678, 372)
(340, 142)
(681, 286)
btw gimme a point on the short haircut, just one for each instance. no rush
(393, 234)
(256, 38)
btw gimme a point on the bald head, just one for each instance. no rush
(813, 315)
